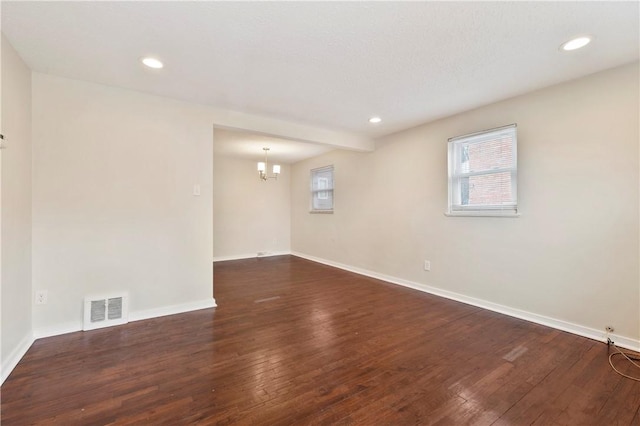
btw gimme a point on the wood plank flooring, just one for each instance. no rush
(294, 343)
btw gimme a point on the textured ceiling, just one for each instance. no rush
(328, 64)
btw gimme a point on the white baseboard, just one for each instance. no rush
(10, 362)
(580, 330)
(58, 329)
(172, 309)
(72, 327)
(16, 355)
(250, 256)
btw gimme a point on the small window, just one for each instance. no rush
(322, 190)
(483, 173)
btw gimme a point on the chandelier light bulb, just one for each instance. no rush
(264, 165)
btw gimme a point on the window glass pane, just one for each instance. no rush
(322, 179)
(323, 200)
(487, 155)
(322, 189)
(489, 189)
(323, 183)
(483, 171)
(464, 191)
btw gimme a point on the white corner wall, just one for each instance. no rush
(249, 215)
(113, 210)
(15, 211)
(571, 260)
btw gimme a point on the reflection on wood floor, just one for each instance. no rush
(294, 342)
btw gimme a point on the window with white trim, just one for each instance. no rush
(322, 190)
(483, 173)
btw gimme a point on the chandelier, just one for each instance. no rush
(264, 165)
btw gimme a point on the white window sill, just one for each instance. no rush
(478, 213)
(321, 211)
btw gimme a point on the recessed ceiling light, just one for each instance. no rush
(375, 120)
(576, 43)
(152, 63)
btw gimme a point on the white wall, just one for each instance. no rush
(113, 210)
(249, 215)
(572, 257)
(15, 164)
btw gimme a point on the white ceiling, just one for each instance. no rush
(327, 64)
(247, 145)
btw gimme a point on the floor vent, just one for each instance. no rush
(105, 311)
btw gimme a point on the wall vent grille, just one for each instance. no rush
(105, 311)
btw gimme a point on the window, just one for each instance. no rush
(483, 173)
(322, 190)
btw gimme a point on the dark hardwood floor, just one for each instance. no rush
(294, 343)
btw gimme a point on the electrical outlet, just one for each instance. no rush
(41, 297)
(427, 265)
(609, 329)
